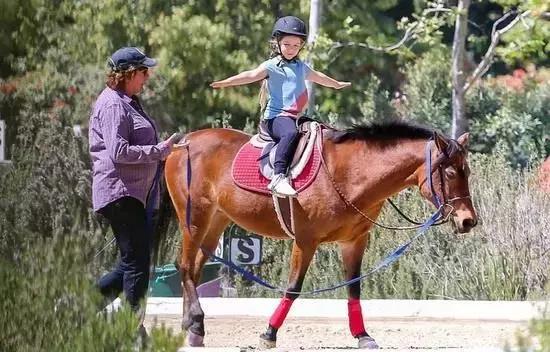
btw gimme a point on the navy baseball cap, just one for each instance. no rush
(128, 57)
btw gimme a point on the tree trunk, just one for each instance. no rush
(314, 21)
(460, 122)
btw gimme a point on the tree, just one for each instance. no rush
(427, 29)
(314, 23)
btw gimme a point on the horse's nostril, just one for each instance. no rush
(469, 223)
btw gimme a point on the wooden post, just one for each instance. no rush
(460, 122)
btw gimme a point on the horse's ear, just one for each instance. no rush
(440, 142)
(463, 140)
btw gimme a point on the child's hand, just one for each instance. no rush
(341, 85)
(217, 84)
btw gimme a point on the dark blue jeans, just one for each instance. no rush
(131, 275)
(283, 131)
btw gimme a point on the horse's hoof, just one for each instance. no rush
(194, 340)
(368, 342)
(266, 343)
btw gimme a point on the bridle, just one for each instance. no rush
(442, 160)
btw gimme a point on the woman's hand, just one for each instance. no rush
(174, 139)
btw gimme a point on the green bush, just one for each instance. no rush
(537, 339)
(428, 89)
(514, 123)
(49, 303)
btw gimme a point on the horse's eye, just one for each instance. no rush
(450, 172)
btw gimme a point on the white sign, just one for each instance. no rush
(219, 249)
(246, 250)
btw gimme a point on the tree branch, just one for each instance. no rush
(408, 34)
(487, 60)
(406, 37)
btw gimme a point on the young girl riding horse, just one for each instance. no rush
(285, 74)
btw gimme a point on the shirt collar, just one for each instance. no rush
(283, 61)
(122, 96)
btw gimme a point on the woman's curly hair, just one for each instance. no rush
(116, 79)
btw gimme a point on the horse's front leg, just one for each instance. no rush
(193, 259)
(352, 256)
(193, 315)
(301, 257)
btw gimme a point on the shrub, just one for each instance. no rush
(512, 122)
(428, 89)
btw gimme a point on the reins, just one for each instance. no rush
(429, 172)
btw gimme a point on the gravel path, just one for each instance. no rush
(332, 333)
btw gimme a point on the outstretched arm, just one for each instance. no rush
(324, 80)
(242, 78)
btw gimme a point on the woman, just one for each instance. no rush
(126, 156)
(285, 74)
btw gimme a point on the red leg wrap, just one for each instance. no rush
(280, 313)
(355, 317)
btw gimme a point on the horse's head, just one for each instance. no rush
(447, 186)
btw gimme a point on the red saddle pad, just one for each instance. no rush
(246, 170)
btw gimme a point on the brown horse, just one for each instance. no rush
(368, 164)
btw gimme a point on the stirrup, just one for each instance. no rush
(281, 187)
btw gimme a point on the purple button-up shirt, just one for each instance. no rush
(124, 149)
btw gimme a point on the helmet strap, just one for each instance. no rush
(281, 52)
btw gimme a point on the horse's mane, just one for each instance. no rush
(383, 132)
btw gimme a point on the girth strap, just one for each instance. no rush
(284, 208)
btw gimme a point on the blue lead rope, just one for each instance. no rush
(391, 258)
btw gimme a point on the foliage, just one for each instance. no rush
(428, 89)
(48, 299)
(528, 41)
(515, 123)
(537, 339)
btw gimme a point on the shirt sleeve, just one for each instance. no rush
(307, 70)
(115, 127)
(269, 66)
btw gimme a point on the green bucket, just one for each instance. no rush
(166, 280)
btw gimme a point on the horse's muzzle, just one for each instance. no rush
(464, 225)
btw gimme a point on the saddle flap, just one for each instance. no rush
(304, 149)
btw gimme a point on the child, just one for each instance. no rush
(285, 74)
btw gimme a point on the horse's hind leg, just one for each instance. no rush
(352, 256)
(301, 258)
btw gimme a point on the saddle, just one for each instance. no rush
(307, 132)
(252, 167)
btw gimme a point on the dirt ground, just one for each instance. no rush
(323, 333)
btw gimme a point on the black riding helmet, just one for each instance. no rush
(289, 25)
